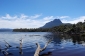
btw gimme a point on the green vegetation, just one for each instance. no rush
(64, 28)
(31, 30)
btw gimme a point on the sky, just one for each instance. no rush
(35, 13)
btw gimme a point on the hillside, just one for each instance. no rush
(55, 22)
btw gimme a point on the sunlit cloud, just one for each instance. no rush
(8, 17)
(63, 17)
(48, 18)
(35, 16)
(34, 21)
(22, 21)
(76, 20)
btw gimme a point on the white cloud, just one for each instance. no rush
(76, 20)
(23, 16)
(8, 17)
(35, 21)
(35, 16)
(48, 18)
(63, 17)
(22, 21)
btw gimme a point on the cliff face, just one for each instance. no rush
(53, 23)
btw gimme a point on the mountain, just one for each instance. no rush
(55, 22)
(6, 30)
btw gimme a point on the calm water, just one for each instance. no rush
(61, 45)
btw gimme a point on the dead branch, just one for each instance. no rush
(46, 44)
(0, 48)
(20, 47)
(8, 44)
(5, 52)
(21, 43)
(38, 50)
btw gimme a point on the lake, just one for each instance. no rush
(61, 45)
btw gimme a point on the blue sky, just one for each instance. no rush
(35, 13)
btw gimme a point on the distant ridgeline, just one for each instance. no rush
(6, 30)
(53, 23)
(57, 26)
(46, 28)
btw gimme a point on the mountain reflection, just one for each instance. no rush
(78, 39)
(58, 38)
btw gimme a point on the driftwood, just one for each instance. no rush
(39, 49)
(5, 50)
(8, 44)
(5, 53)
(0, 48)
(37, 52)
(20, 47)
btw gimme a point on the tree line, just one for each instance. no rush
(66, 28)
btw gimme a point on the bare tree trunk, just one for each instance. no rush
(38, 50)
(20, 47)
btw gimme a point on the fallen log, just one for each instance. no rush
(39, 49)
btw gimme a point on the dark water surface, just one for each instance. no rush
(61, 45)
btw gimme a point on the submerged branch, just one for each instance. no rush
(38, 50)
(0, 48)
(5, 52)
(8, 44)
(20, 47)
(46, 44)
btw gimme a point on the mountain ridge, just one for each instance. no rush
(55, 22)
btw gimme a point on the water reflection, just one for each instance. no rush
(75, 39)
(61, 43)
(64, 43)
(46, 54)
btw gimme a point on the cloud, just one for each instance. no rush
(48, 18)
(8, 17)
(34, 21)
(75, 20)
(35, 16)
(22, 21)
(63, 17)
